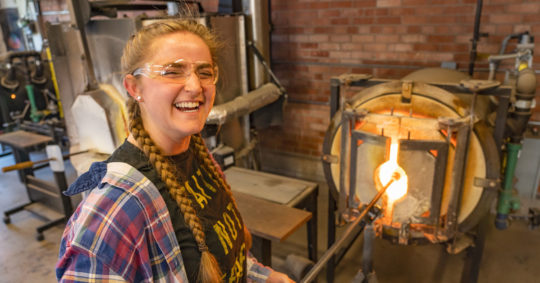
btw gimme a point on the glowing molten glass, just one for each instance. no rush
(399, 187)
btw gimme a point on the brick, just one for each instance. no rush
(535, 29)
(376, 12)
(352, 29)
(319, 53)
(409, 38)
(388, 20)
(430, 10)
(318, 38)
(505, 18)
(415, 20)
(352, 12)
(319, 5)
(414, 29)
(341, 4)
(363, 29)
(454, 10)
(361, 55)
(401, 11)
(340, 38)
(414, 2)
(463, 39)
(453, 48)
(319, 30)
(339, 54)
(363, 21)
(425, 47)
(388, 3)
(351, 46)
(455, 29)
(309, 45)
(386, 38)
(504, 29)
(530, 18)
(449, 19)
(440, 38)
(329, 46)
(329, 13)
(299, 38)
(374, 47)
(494, 8)
(363, 38)
(387, 56)
(365, 3)
(400, 47)
(340, 21)
(524, 8)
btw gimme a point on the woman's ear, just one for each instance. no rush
(132, 87)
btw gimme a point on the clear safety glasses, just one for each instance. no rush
(179, 71)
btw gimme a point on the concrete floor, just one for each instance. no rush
(510, 256)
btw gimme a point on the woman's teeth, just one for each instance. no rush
(187, 106)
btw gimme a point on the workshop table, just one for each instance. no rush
(21, 143)
(269, 205)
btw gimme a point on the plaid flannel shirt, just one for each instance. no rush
(122, 232)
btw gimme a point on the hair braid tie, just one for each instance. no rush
(203, 247)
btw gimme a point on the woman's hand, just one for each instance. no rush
(278, 277)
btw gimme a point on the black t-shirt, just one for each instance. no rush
(221, 221)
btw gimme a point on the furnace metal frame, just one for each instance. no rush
(471, 266)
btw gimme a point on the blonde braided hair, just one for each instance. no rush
(134, 55)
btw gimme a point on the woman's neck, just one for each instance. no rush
(167, 148)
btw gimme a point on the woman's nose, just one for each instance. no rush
(192, 83)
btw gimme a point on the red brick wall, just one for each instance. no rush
(314, 40)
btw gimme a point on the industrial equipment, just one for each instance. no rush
(435, 126)
(27, 96)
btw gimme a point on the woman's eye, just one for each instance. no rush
(173, 72)
(205, 74)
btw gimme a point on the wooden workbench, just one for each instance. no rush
(269, 205)
(269, 220)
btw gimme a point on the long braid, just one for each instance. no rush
(209, 270)
(216, 174)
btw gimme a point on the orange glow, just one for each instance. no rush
(13, 96)
(399, 187)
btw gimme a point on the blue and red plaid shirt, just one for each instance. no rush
(122, 232)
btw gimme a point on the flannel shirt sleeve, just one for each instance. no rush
(105, 237)
(78, 265)
(256, 272)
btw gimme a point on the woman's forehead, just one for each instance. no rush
(180, 45)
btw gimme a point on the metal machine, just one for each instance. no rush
(444, 137)
(27, 95)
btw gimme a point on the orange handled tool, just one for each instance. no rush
(28, 164)
(24, 165)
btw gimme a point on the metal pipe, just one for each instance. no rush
(334, 248)
(244, 104)
(507, 201)
(476, 36)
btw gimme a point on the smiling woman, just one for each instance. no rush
(159, 208)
